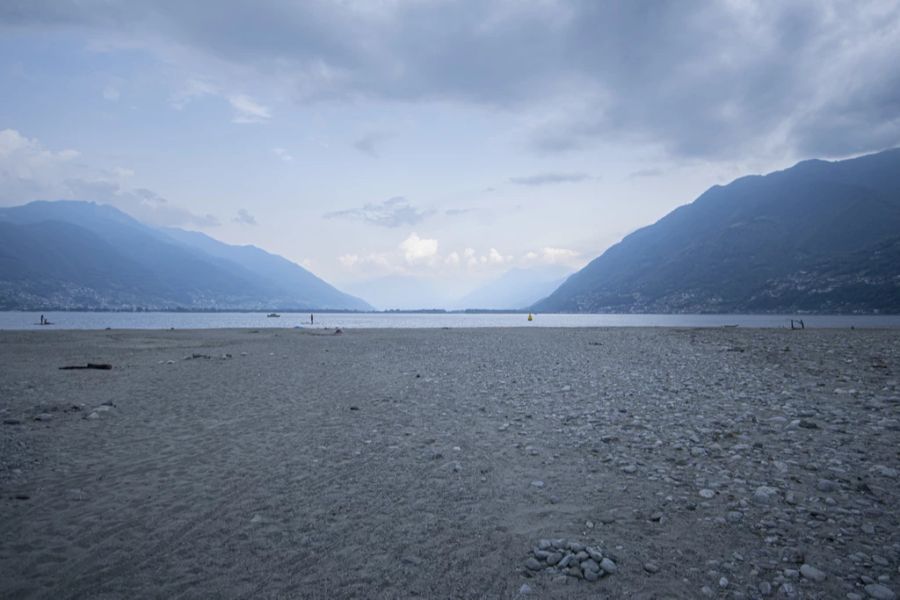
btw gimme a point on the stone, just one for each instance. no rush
(43, 417)
(880, 592)
(826, 485)
(812, 573)
(595, 554)
(537, 483)
(525, 589)
(591, 575)
(12, 421)
(765, 588)
(651, 567)
(885, 471)
(608, 566)
(554, 558)
(707, 493)
(765, 494)
(533, 564)
(590, 565)
(629, 469)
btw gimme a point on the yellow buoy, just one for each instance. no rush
(530, 317)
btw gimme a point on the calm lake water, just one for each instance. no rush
(165, 320)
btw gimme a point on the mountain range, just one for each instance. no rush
(71, 255)
(817, 237)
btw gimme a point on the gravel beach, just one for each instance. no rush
(654, 463)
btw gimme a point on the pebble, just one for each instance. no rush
(630, 469)
(885, 471)
(608, 566)
(651, 567)
(525, 589)
(880, 592)
(826, 485)
(12, 421)
(572, 558)
(43, 417)
(707, 493)
(537, 483)
(764, 494)
(589, 565)
(810, 572)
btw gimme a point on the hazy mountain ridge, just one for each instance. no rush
(515, 289)
(798, 239)
(71, 255)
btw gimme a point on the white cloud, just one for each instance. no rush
(416, 249)
(452, 259)
(495, 258)
(248, 110)
(283, 154)
(194, 88)
(348, 260)
(553, 256)
(111, 93)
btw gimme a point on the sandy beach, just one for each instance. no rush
(725, 463)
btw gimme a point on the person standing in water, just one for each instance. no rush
(310, 319)
(42, 319)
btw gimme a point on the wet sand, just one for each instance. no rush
(431, 463)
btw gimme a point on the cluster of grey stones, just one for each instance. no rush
(571, 558)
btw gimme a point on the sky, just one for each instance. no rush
(374, 141)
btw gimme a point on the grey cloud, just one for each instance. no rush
(550, 179)
(698, 79)
(645, 173)
(244, 217)
(455, 212)
(394, 212)
(369, 143)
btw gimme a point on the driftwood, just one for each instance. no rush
(98, 366)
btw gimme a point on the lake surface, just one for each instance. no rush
(166, 320)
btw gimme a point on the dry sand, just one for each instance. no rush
(429, 463)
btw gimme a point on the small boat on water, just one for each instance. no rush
(271, 315)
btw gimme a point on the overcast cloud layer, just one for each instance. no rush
(709, 79)
(436, 139)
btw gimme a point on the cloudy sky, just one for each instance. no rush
(444, 140)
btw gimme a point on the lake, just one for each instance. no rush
(166, 320)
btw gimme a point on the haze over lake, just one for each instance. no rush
(166, 320)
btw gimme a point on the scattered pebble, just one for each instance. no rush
(572, 558)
